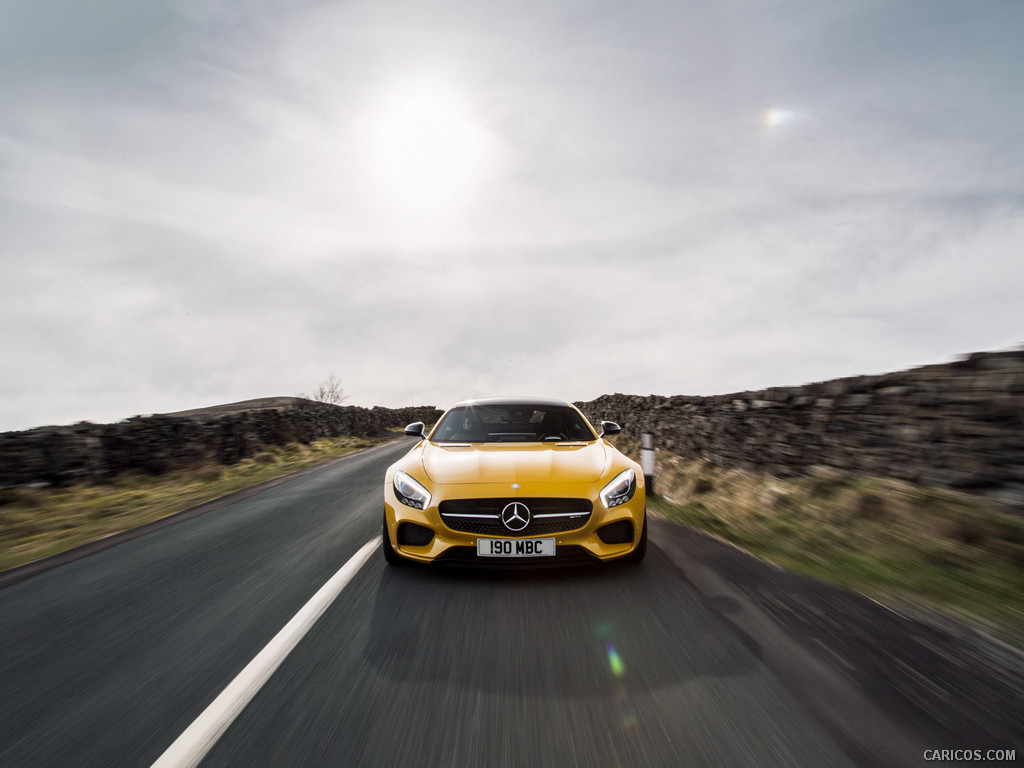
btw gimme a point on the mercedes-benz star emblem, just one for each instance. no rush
(515, 516)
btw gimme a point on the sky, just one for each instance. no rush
(204, 201)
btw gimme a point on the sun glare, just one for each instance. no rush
(775, 117)
(424, 147)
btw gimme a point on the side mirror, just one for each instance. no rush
(610, 428)
(415, 430)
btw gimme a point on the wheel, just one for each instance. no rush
(390, 556)
(638, 554)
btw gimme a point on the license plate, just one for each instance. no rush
(515, 547)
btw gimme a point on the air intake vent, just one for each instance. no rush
(619, 532)
(413, 535)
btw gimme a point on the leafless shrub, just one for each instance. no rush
(327, 391)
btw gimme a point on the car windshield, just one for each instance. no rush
(512, 423)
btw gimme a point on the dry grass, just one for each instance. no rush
(900, 543)
(35, 523)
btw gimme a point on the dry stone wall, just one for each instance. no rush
(959, 425)
(158, 444)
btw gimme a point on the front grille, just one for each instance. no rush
(483, 516)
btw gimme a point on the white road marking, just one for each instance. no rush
(191, 747)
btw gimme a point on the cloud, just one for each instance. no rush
(188, 212)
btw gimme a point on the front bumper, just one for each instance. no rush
(589, 541)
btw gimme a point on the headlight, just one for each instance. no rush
(411, 493)
(620, 490)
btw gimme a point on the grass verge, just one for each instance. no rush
(36, 523)
(901, 544)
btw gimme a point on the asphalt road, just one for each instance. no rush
(106, 660)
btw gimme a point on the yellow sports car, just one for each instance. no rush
(506, 481)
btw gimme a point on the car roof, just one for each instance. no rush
(548, 401)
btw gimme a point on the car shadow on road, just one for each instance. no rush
(589, 631)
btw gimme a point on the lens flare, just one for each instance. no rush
(614, 661)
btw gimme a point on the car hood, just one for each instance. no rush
(514, 463)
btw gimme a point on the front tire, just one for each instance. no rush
(390, 556)
(637, 555)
